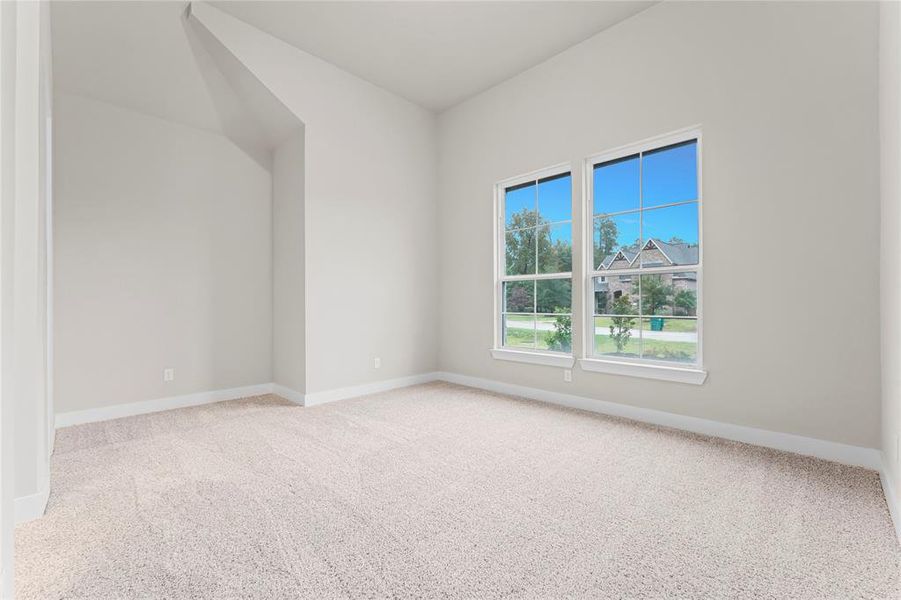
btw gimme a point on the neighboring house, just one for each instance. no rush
(655, 253)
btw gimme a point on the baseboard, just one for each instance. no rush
(833, 451)
(288, 394)
(28, 508)
(367, 388)
(891, 497)
(106, 413)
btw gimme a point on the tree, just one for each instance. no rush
(686, 300)
(655, 294)
(554, 295)
(605, 234)
(519, 299)
(621, 327)
(561, 338)
(524, 238)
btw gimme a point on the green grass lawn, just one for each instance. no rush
(523, 338)
(683, 325)
(653, 349)
(519, 318)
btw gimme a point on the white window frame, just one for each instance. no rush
(638, 367)
(498, 351)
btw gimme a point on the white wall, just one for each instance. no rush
(370, 229)
(786, 96)
(890, 137)
(162, 258)
(288, 327)
(7, 239)
(29, 296)
(25, 107)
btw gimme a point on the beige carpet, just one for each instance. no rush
(444, 491)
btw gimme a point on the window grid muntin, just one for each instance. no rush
(533, 277)
(640, 149)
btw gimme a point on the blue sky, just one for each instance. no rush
(553, 199)
(666, 176)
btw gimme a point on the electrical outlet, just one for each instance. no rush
(567, 375)
(168, 374)
(377, 363)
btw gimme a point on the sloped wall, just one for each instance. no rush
(369, 212)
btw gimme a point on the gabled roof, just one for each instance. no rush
(624, 254)
(678, 254)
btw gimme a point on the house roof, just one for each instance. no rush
(678, 254)
(628, 255)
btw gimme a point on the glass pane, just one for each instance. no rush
(669, 294)
(615, 234)
(616, 185)
(555, 248)
(554, 296)
(616, 336)
(555, 198)
(519, 297)
(555, 332)
(670, 174)
(519, 331)
(519, 205)
(520, 247)
(669, 339)
(616, 295)
(670, 236)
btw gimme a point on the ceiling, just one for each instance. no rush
(134, 54)
(435, 54)
(147, 57)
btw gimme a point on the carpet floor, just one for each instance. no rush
(442, 491)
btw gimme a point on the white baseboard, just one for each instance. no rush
(367, 388)
(288, 394)
(891, 498)
(118, 411)
(834, 451)
(28, 508)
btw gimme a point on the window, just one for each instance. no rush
(534, 282)
(644, 210)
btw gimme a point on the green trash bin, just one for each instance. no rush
(656, 323)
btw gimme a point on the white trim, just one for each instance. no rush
(558, 169)
(536, 358)
(366, 388)
(645, 370)
(869, 458)
(118, 411)
(31, 507)
(588, 334)
(288, 394)
(894, 503)
(499, 224)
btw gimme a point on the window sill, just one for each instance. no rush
(678, 374)
(536, 358)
